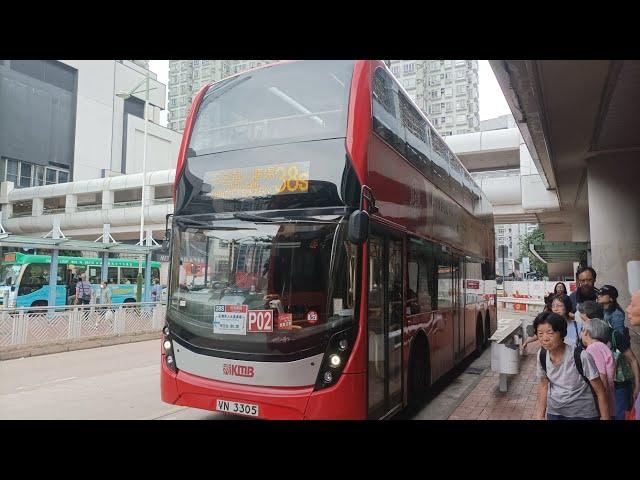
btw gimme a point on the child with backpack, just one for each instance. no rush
(627, 367)
(595, 334)
(570, 387)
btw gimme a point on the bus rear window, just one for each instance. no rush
(291, 102)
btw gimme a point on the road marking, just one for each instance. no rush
(46, 383)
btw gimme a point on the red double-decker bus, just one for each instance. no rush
(346, 255)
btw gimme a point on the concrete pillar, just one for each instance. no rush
(37, 207)
(149, 195)
(614, 216)
(71, 204)
(107, 199)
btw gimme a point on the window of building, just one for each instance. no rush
(435, 66)
(22, 208)
(409, 67)
(448, 92)
(205, 62)
(196, 63)
(122, 198)
(447, 63)
(461, 105)
(460, 63)
(409, 83)
(89, 201)
(51, 176)
(449, 106)
(461, 118)
(459, 74)
(435, 94)
(25, 175)
(54, 204)
(448, 77)
(461, 89)
(163, 193)
(395, 70)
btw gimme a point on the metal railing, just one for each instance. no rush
(42, 325)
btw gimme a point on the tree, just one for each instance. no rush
(536, 236)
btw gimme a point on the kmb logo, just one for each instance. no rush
(237, 370)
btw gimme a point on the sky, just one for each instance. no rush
(492, 102)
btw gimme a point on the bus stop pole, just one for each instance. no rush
(53, 267)
(147, 271)
(105, 256)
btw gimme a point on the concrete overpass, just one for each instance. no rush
(500, 163)
(579, 121)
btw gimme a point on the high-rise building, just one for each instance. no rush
(445, 90)
(186, 77)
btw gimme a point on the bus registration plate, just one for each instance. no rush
(239, 408)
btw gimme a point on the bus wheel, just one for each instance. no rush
(129, 300)
(480, 341)
(418, 378)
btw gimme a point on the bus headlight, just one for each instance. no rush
(334, 361)
(167, 346)
(335, 358)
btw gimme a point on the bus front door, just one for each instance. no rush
(384, 329)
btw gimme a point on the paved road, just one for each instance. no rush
(116, 382)
(123, 382)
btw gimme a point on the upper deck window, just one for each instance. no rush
(285, 103)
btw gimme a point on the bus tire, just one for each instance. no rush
(40, 303)
(480, 340)
(419, 371)
(129, 300)
(487, 329)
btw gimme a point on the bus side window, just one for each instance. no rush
(421, 277)
(94, 274)
(112, 275)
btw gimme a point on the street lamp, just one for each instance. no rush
(124, 96)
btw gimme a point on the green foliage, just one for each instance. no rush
(536, 236)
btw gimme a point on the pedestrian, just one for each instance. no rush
(560, 289)
(71, 290)
(156, 291)
(595, 335)
(562, 306)
(104, 294)
(633, 313)
(83, 291)
(627, 367)
(633, 310)
(567, 376)
(613, 313)
(586, 279)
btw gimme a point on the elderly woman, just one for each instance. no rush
(561, 304)
(564, 392)
(595, 335)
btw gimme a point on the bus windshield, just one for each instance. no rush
(296, 101)
(302, 272)
(9, 274)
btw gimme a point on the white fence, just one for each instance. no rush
(537, 289)
(42, 325)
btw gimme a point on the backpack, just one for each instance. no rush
(623, 372)
(86, 296)
(578, 362)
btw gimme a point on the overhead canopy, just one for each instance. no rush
(24, 241)
(551, 252)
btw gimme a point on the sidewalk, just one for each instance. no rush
(486, 402)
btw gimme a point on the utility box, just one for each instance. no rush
(505, 351)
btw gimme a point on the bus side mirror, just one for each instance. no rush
(358, 227)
